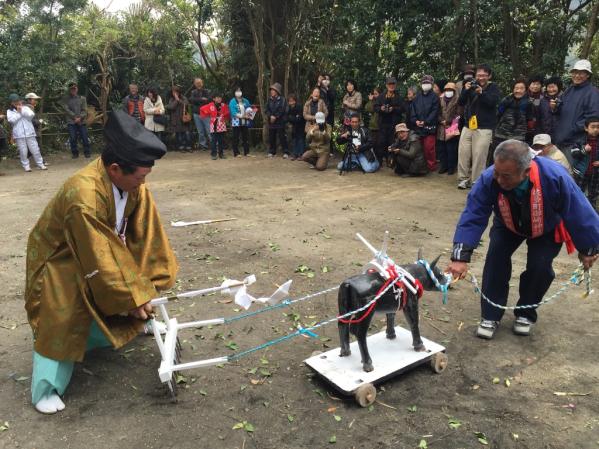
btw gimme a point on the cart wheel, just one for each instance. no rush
(315, 353)
(439, 362)
(365, 395)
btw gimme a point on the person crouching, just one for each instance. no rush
(319, 140)
(407, 153)
(358, 142)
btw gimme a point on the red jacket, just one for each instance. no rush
(209, 110)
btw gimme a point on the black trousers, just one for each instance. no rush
(272, 137)
(243, 130)
(386, 138)
(534, 281)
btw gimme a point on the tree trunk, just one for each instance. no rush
(256, 22)
(591, 31)
(460, 31)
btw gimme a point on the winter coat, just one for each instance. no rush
(484, 106)
(352, 104)
(276, 107)
(199, 98)
(373, 123)
(562, 200)
(319, 141)
(237, 118)
(130, 103)
(578, 104)
(176, 109)
(547, 116)
(21, 122)
(411, 155)
(425, 107)
(150, 110)
(309, 117)
(218, 116)
(515, 117)
(295, 117)
(74, 107)
(393, 117)
(328, 95)
(448, 111)
(365, 145)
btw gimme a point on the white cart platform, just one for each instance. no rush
(389, 358)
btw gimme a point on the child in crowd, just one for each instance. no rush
(218, 112)
(295, 117)
(585, 167)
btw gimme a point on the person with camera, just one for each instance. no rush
(424, 113)
(578, 103)
(319, 142)
(390, 108)
(549, 102)
(358, 148)
(406, 151)
(479, 99)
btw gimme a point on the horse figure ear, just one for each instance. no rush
(434, 263)
(419, 254)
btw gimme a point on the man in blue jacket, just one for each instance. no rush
(578, 103)
(424, 116)
(534, 200)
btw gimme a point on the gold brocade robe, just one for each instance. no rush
(79, 270)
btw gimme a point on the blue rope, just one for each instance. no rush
(443, 288)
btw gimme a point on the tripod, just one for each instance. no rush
(347, 163)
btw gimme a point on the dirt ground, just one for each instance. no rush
(287, 216)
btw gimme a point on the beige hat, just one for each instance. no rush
(541, 139)
(451, 86)
(401, 127)
(32, 96)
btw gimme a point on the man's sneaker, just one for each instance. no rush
(285, 156)
(43, 167)
(214, 157)
(486, 329)
(463, 185)
(522, 326)
(270, 155)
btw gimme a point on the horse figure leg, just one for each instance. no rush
(361, 332)
(391, 326)
(411, 313)
(343, 303)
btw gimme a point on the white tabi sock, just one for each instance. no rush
(149, 329)
(50, 404)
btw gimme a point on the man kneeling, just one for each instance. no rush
(358, 143)
(95, 258)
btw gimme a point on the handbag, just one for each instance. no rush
(453, 130)
(186, 117)
(160, 119)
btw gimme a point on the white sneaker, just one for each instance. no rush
(522, 326)
(149, 327)
(270, 155)
(43, 167)
(50, 404)
(486, 329)
(285, 156)
(463, 185)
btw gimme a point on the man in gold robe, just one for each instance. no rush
(95, 258)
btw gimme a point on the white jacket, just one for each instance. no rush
(149, 109)
(22, 126)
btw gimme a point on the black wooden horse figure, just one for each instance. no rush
(357, 291)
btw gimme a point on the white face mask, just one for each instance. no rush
(468, 77)
(426, 87)
(238, 94)
(449, 94)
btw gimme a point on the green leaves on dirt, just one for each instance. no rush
(333, 439)
(232, 345)
(248, 427)
(4, 427)
(482, 438)
(305, 270)
(412, 409)
(422, 444)
(454, 423)
(274, 247)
